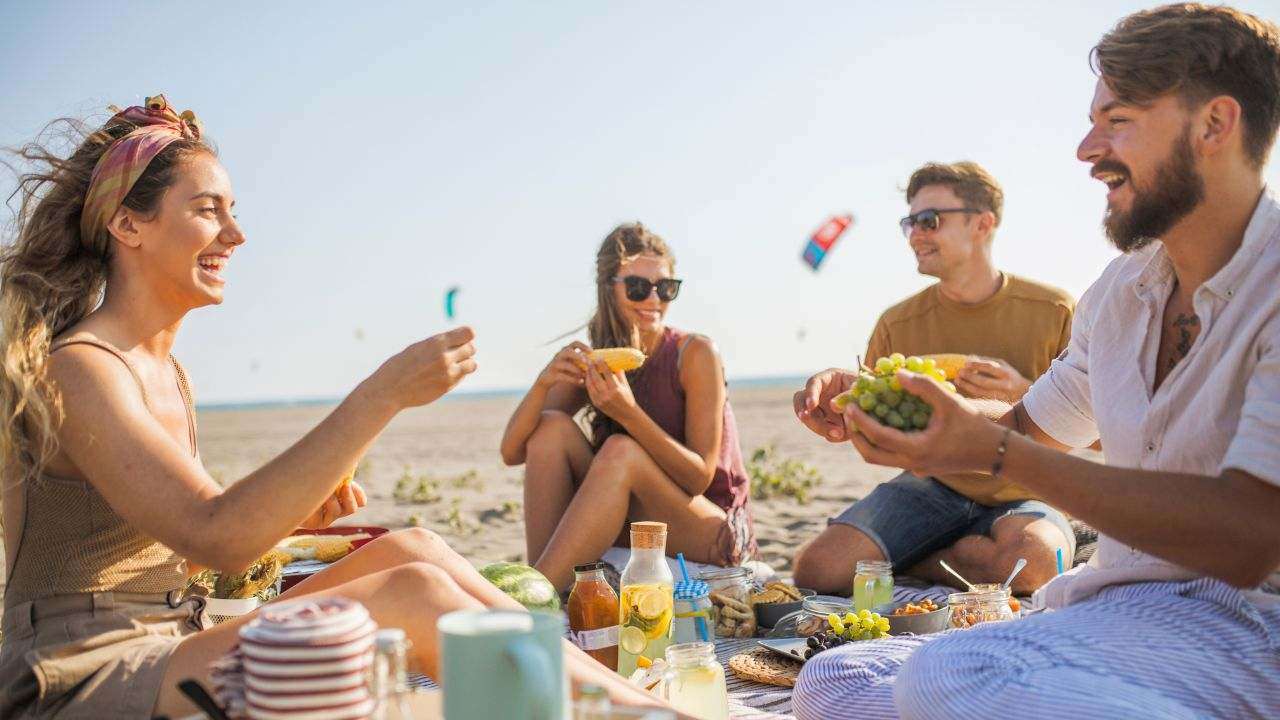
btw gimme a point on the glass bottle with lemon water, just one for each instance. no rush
(647, 603)
(872, 584)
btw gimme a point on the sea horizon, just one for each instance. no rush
(764, 381)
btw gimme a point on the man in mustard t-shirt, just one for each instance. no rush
(1012, 328)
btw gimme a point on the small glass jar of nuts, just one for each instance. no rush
(731, 596)
(979, 606)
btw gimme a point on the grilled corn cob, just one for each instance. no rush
(623, 359)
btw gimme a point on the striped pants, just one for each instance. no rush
(1152, 650)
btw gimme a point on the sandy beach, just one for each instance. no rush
(478, 515)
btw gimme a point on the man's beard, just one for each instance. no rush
(1175, 192)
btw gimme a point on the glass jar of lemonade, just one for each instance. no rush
(647, 601)
(872, 584)
(694, 681)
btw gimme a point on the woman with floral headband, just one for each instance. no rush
(105, 499)
(663, 444)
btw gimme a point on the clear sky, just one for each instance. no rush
(382, 154)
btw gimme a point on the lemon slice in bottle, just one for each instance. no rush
(632, 640)
(650, 602)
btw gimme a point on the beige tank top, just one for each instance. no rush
(72, 542)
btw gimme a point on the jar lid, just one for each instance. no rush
(588, 567)
(980, 596)
(691, 590)
(729, 573)
(826, 604)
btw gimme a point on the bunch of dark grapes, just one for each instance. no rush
(820, 641)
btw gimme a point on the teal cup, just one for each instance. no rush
(502, 664)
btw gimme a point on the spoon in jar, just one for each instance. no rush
(948, 568)
(1017, 568)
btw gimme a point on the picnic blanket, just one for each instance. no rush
(747, 700)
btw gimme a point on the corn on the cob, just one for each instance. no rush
(949, 363)
(624, 359)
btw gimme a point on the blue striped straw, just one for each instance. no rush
(1060, 570)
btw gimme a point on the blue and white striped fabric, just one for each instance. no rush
(1149, 650)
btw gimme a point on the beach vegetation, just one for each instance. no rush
(458, 523)
(468, 480)
(773, 476)
(416, 490)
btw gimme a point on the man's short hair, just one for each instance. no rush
(975, 187)
(1199, 52)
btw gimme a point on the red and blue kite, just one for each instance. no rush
(824, 238)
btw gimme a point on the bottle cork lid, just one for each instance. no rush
(647, 535)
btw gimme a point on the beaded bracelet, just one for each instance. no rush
(1000, 451)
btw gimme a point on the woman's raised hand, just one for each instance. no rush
(424, 371)
(348, 498)
(609, 391)
(568, 366)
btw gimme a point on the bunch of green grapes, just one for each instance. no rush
(865, 625)
(879, 393)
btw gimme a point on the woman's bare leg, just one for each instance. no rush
(439, 581)
(402, 547)
(412, 597)
(623, 471)
(557, 456)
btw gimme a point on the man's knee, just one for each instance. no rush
(1033, 538)
(827, 562)
(943, 678)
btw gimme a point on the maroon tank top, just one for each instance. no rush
(657, 389)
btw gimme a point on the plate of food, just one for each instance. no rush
(915, 618)
(793, 648)
(313, 550)
(776, 600)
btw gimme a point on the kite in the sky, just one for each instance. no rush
(824, 238)
(449, 296)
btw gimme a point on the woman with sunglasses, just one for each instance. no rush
(663, 444)
(107, 505)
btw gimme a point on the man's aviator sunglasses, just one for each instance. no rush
(638, 288)
(929, 220)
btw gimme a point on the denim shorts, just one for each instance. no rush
(912, 517)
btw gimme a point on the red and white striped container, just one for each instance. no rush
(308, 660)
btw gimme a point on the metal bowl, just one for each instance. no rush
(930, 622)
(768, 614)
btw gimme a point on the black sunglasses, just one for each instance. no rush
(929, 220)
(638, 288)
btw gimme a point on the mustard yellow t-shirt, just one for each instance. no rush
(1027, 324)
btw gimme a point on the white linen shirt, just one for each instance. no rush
(1219, 408)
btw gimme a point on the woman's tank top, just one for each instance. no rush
(657, 389)
(71, 541)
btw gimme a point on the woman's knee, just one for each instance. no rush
(553, 431)
(619, 448)
(421, 581)
(411, 545)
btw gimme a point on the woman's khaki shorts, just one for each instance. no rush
(90, 656)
